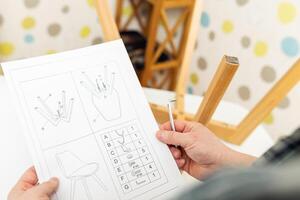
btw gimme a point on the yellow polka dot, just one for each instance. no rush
(91, 3)
(269, 119)
(194, 78)
(127, 11)
(227, 26)
(286, 12)
(28, 23)
(6, 49)
(260, 49)
(85, 31)
(51, 51)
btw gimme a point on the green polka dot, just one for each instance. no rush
(245, 41)
(285, 103)
(31, 3)
(54, 29)
(268, 74)
(194, 78)
(6, 49)
(202, 64)
(244, 93)
(28, 22)
(242, 2)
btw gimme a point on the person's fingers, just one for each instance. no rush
(27, 180)
(175, 152)
(174, 138)
(180, 163)
(47, 188)
(180, 125)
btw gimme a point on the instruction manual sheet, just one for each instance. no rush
(86, 121)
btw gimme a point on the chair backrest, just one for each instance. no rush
(69, 163)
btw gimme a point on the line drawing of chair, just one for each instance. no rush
(75, 170)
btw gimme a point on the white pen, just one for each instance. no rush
(171, 115)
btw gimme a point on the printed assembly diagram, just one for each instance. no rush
(59, 112)
(103, 94)
(78, 171)
(87, 121)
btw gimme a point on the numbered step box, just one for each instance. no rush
(132, 129)
(146, 159)
(139, 143)
(143, 151)
(150, 167)
(135, 136)
(153, 176)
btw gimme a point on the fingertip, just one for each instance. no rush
(51, 185)
(160, 135)
(54, 180)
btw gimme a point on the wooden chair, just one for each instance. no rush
(159, 19)
(136, 5)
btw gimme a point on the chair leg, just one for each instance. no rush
(86, 188)
(99, 181)
(72, 191)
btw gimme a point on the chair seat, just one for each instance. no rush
(84, 171)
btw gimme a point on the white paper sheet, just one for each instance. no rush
(87, 122)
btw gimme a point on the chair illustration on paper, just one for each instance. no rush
(61, 111)
(76, 170)
(103, 94)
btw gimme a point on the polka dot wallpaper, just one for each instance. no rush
(265, 35)
(36, 27)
